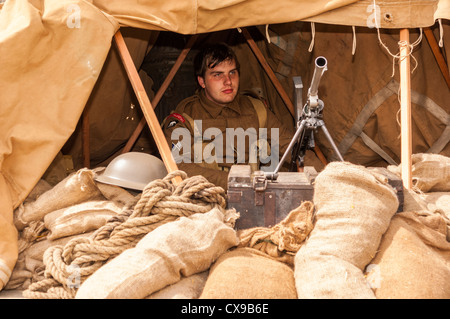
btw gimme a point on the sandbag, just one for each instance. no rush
(283, 240)
(430, 172)
(30, 265)
(353, 210)
(413, 261)
(40, 188)
(76, 188)
(80, 218)
(438, 201)
(117, 194)
(247, 273)
(187, 288)
(183, 247)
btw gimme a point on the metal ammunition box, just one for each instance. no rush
(264, 202)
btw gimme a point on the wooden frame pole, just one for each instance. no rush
(268, 70)
(405, 105)
(146, 106)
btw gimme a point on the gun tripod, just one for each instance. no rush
(309, 119)
(304, 136)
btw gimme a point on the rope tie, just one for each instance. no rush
(313, 36)
(160, 202)
(354, 40)
(397, 56)
(267, 33)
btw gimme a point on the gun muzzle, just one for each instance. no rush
(319, 70)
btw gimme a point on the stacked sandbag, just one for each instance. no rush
(247, 273)
(438, 202)
(51, 216)
(30, 266)
(76, 188)
(187, 288)
(80, 218)
(184, 247)
(413, 261)
(354, 207)
(283, 240)
(430, 172)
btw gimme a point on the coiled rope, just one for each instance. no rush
(160, 202)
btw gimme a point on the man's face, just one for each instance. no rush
(221, 83)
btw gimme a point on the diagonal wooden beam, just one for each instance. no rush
(146, 106)
(161, 91)
(437, 55)
(268, 70)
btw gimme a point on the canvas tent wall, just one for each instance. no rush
(52, 54)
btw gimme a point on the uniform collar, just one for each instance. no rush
(215, 109)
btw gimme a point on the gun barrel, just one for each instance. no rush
(320, 68)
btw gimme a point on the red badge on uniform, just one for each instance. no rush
(178, 117)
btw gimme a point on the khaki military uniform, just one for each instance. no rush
(244, 112)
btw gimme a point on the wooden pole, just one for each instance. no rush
(146, 106)
(161, 91)
(405, 105)
(268, 70)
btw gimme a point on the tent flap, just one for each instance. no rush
(51, 58)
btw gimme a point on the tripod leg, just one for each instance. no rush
(291, 145)
(330, 139)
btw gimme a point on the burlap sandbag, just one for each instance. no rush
(184, 247)
(247, 273)
(187, 288)
(80, 218)
(117, 194)
(354, 208)
(76, 188)
(413, 260)
(30, 265)
(438, 201)
(283, 240)
(430, 172)
(40, 188)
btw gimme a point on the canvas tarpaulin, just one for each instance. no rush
(198, 16)
(360, 90)
(52, 53)
(48, 68)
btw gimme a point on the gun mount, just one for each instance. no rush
(308, 119)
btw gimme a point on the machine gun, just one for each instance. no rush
(308, 119)
(259, 196)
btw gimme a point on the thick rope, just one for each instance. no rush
(160, 202)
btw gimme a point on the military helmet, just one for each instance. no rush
(133, 170)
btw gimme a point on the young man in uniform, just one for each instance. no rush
(205, 130)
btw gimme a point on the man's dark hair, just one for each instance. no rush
(212, 55)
